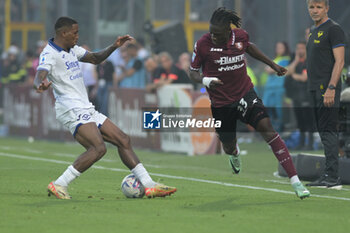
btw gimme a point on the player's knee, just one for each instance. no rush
(125, 142)
(100, 151)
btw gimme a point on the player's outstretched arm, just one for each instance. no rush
(253, 51)
(98, 57)
(40, 82)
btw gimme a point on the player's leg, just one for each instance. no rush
(227, 134)
(281, 152)
(85, 131)
(111, 133)
(232, 149)
(89, 136)
(256, 115)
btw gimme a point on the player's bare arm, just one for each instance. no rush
(336, 72)
(98, 57)
(253, 51)
(40, 82)
(195, 76)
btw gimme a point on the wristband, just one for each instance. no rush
(207, 80)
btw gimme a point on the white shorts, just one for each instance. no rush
(79, 116)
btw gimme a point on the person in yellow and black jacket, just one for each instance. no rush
(12, 71)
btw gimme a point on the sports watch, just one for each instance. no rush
(332, 87)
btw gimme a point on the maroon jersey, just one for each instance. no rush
(227, 63)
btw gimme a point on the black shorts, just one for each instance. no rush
(249, 110)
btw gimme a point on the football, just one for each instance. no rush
(132, 187)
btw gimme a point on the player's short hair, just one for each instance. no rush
(224, 16)
(326, 2)
(64, 21)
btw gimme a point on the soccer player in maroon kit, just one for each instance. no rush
(221, 55)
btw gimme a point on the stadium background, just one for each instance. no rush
(209, 197)
(266, 21)
(26, 22)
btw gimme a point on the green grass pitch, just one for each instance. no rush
(209, 197)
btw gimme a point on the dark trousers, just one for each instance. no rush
(327, 126)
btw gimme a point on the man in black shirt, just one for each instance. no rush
(325, 61)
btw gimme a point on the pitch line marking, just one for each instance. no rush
(172, 177)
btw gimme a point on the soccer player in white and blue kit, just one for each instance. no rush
(59, 68)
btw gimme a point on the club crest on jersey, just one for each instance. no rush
(239, 45)
(216, 50)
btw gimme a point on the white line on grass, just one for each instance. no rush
(172, 177)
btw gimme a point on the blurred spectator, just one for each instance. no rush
(40, 45)
(274, 87)
(184, 62)
(88, 71)
(296, 89)
(170, 73)
(133, 75)
(142, 52)
(153, 69)
(28, 64)
(106, 77)
(117, 60)
(307, 34)
(12, 70)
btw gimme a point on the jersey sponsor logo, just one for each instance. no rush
(231, 68)
(215, 50)
(230, 60)
(319, 34)
(73, 77)
(72, 64)
(316, 41)
(239, 45)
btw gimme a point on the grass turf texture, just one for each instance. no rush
(98, 204)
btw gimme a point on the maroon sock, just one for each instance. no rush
(282, 154)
